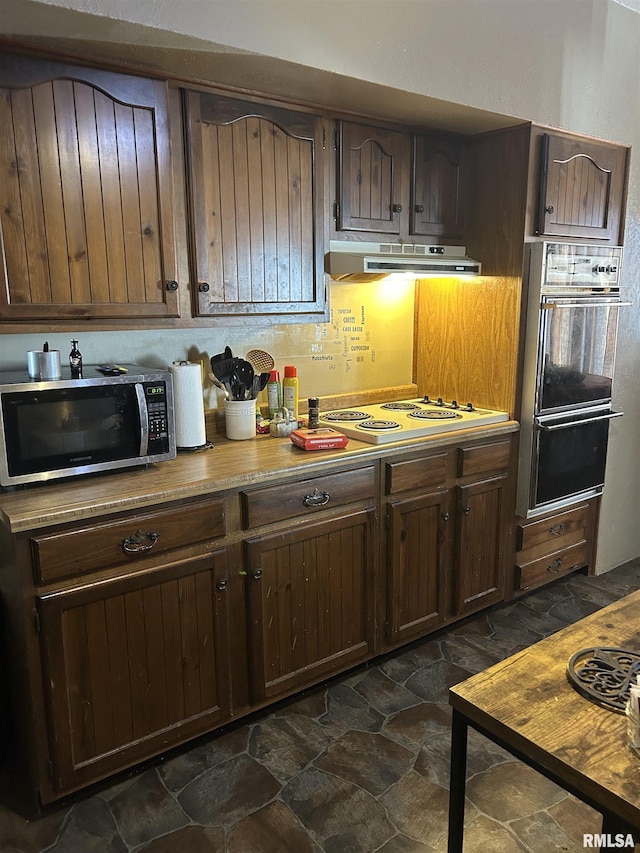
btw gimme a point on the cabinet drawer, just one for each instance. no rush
(276, 503)
(416, 473)
(101, 546)
(554, 533)
(551, 565)
(484, 458)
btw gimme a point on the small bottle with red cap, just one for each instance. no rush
(290, 390)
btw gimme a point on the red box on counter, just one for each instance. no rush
(321, 438)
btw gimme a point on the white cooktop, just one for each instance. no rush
(403, 419)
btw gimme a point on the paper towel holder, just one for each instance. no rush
(190, 422)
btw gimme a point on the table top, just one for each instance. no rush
(527, 702)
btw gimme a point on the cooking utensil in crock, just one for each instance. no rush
(260, 360)
(259, 383)
(242, 374)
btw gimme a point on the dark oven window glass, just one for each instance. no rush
(579, 347)
(570, 460)
(70, 427)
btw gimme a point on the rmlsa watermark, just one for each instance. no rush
(606, 842)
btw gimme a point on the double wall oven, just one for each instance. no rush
(570, 346)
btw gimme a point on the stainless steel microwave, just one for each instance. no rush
(65, 427)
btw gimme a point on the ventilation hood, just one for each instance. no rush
(349, 261)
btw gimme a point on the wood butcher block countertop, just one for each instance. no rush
(227, 465)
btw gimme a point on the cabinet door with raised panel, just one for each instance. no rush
(256, 191)
(310, 607)
(480, 544)
(373, 171)
(436, 184)
(418, 560)
(582, 187)
(85, 194)
(133, 666)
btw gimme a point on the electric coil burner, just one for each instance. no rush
(410, 419)
(376, 425)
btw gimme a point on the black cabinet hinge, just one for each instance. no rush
(335, 210)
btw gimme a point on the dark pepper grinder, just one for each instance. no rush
(314, 412)
(75, 361)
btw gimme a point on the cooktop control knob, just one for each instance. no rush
(439, 402)
(469, 407)
(454, 404)
(426, 399)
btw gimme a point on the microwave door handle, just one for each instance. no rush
(144, 419)
(554, 427)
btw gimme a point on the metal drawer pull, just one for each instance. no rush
(557, 529)
(555, 566)
(316, 498)
(140, 541)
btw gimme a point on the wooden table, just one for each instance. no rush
(526, 705)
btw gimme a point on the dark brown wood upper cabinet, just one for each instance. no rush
(257, 218)
(436, 188)
(86, 201)
(373, 171)
(399, 185)
(582, 187)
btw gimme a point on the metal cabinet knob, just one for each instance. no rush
(203, 287)
(396, 208)
(419, 208)
(221, 585)
(256, 574)
(466, 510)
(549, 209)
(446, 516)
(172, 285)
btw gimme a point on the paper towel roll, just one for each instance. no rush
(188, 403)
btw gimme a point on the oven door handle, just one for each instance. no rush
(566, 425)
(600, 303)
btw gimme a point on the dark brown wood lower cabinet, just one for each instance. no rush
(133, 666)
(480, 563)
(418, 564)
(309, 596)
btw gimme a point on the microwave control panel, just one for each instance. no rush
(157, 416)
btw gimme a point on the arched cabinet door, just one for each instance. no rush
(86, 204)
(582, 187)
(373, 169)
(436, 187)
(257, 218)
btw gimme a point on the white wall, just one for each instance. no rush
(567, 63)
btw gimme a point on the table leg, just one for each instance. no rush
(457, 781)
(613, 832)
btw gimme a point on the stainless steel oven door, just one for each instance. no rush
(569, 458)
(576, 352)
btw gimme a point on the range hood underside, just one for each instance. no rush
(370, 261)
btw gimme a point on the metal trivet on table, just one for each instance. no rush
(604, 675)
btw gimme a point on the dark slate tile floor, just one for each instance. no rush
(356, 766)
